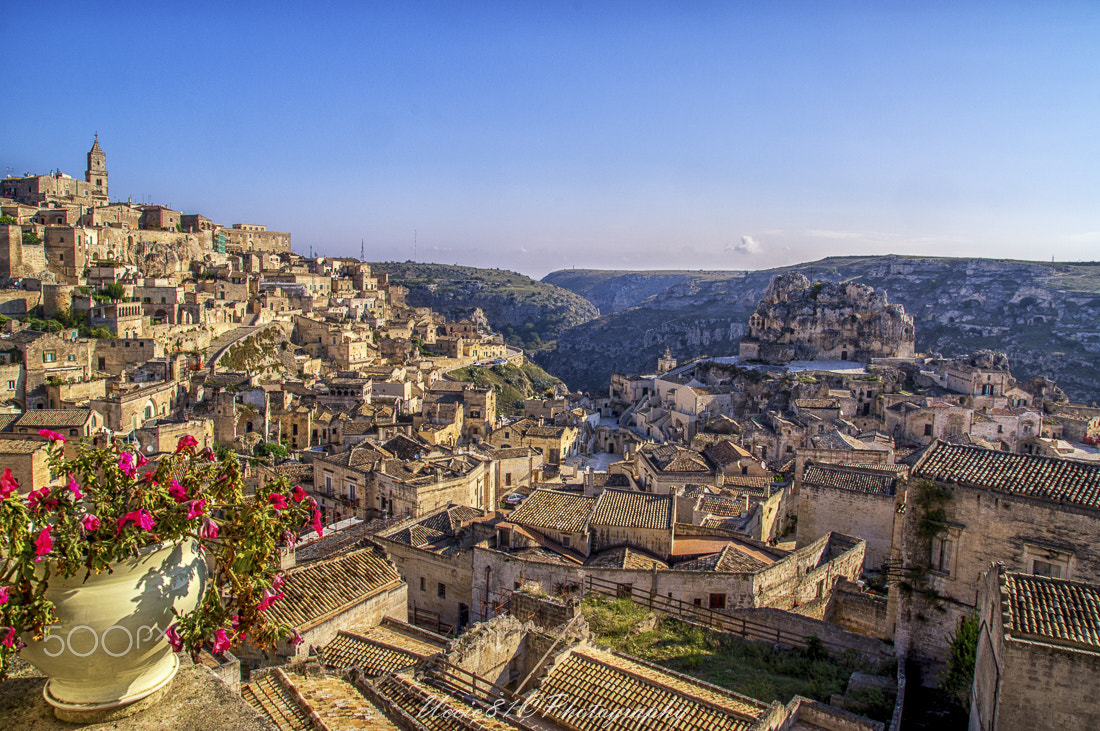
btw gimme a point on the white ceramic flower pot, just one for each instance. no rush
(108, 649)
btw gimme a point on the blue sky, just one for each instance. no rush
(542, 135)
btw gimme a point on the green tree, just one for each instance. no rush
(114, 290)
(10, 220)
(30, 238)
(961, 656)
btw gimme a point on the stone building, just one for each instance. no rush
(855, 501)
(247, 237)
(637, 519)
(797, 320)
(432, 552)
(1038, 655)
(969, 507)
(38, 189)
(555, 442)
(26, 458)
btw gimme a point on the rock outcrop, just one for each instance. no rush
(826, 321)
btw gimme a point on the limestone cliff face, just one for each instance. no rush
(826, 321)
(1044, 317)
(161, 258)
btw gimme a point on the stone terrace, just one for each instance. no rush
(296, 702)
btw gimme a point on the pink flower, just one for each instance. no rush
(4, 594)
(208, 453)
(195, 509)
(236, 618)
(8, 484)
(277, 581)
(142, 518)
(126, 464)
(90, 522)
(299, 494)
(277, 500)
(77, 494)
(316, 523)
(9, 640)
(148, 477)
(221, 642)
(35, 497)
(174, 639)
(295, 639)
(178, 492)
(268, 599)
(209, 529)
(186, 441)
(141, 460)
(51, 435)
(43, 543)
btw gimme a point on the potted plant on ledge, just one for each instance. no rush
(104, 578)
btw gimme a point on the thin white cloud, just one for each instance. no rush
(1087, 237)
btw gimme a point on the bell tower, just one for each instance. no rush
(96, 174)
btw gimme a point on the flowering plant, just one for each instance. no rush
(109, 508)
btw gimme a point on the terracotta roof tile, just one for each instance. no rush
(315, 592)
(561, 511)
(590, 678)
(627, 509)
(626, 558)
(1061, 480)
(868, 483)
(46, 418)
(1056, 610)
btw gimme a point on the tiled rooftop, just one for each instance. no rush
(56, 418)
(852, 480)
(322, 589)
(561, 511)
(722, 506)
(627, 509)
(726, 452)
(1054, 610)
(21, 446)
(349, 649)
(590, 678)
(732, 558)
(625, 558)
(1062, 480)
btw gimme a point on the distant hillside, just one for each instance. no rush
(1047, 318)
(529, 313)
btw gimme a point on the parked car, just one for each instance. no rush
(514, 498)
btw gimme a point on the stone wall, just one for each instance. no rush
(806, 574)
(823, 509)
(984, 527)
(424, 571)
(859, 612)
(543, 611)
(495, 650)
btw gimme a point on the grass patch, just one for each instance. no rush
(754, 669)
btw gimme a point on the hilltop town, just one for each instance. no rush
(827, 493)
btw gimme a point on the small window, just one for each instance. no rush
(565, 541)
(49, 356)
(422, 583)
(11, 385)
(697, 601)
(441, 590)
(927, 430)
(717, 601)
(943, 553)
